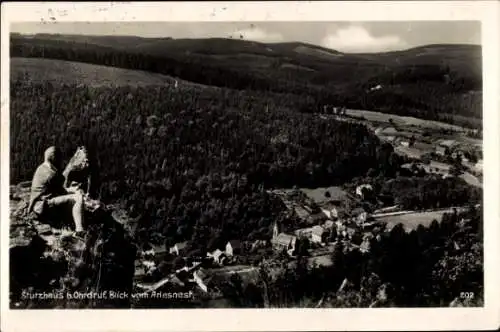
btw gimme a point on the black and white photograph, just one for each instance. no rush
(245, 164)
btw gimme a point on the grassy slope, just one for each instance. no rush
(38, 70)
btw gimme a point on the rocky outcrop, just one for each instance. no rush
(50, 268)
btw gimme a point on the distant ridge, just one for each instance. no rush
(436, 82)
(103, 38)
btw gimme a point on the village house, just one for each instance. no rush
(333, 212)
(405, 143)
(479, 165)
(317, 234)
(159, 249)
(282, 241)
(176, 281)
(390, 139)
(140, 272)
(149, 266)
(440, 150)
(445, 146)
(365, 245)
(301, 212)
(218, 256)
(314, 234)
(329, 224)
(307, 208)
(233, 247)
(361, 189)
(316, 218)
(178, 248)
(201, 278)
(360, 215)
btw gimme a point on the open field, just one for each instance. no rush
(402, 120)
(411, 220)
(471, 179)
(318, 194)
(409, 151)
(69, 72)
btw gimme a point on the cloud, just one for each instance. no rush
(257, 34)
(358, 39)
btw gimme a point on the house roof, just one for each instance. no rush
(283, 238)
(181, 245)
(159, 248)
(139, 271)
(216, 253)
(301, 212)
(448, 143)
(317, 230)
(328, 223)
(200, 274)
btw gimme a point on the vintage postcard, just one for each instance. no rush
(323, 166)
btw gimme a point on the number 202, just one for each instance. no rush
(466, 295)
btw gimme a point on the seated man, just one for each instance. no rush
(48, 191)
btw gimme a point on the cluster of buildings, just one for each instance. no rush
(326, 221)
(414, 144)
(146, 264)
(337, 219)
(454, 149)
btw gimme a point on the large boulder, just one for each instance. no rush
(50, 268)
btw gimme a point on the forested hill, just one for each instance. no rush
(191, 163)
(433, 82)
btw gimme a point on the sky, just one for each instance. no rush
(341, 36)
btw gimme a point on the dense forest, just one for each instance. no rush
(417, 191)
(192, 164)
(425, 87)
